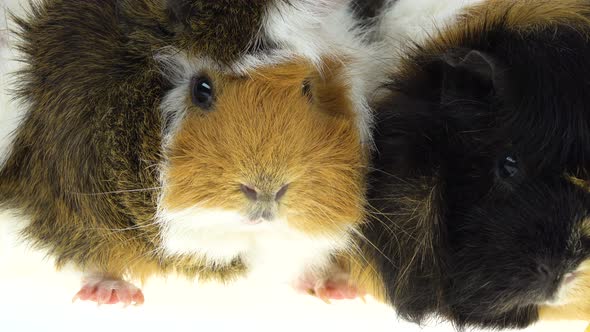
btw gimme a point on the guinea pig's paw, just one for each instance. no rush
(334, 287)
(109, 291)
(337, 290)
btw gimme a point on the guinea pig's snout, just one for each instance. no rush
(253, 194)
(263, 204)
(548, 278)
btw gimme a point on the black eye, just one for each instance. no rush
(202, 92)
(508, 167)
(306, 89)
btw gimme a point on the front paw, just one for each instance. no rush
(103, 290)
(336, 286)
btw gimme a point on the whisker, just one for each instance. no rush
(365, 239)
(130, 228)
(117, 191)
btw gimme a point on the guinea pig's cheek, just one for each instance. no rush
(321, 220)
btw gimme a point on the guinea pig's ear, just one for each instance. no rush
(179, 10)
(327, 88)
(473, 61)
(469, 72)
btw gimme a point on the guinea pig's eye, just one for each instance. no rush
(508, 167)
(202, 92)
(306, 89)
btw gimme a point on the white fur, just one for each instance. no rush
(270, 249)
(311, 28)
(414, 21)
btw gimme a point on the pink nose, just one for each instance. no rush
(569, 278)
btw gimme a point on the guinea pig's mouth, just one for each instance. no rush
(250, 221)
(259, 213)
(564, 290)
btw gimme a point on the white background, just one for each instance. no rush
(35, 297)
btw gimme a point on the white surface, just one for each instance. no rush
(34, 297)
(37, 298)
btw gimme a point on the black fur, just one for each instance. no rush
(367, 10)
(459, 238)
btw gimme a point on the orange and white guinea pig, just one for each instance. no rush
(198, 137)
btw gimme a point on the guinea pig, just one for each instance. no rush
(180, 136)
(478, 192)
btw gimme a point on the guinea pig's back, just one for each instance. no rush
(73, 133)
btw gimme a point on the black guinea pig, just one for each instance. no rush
(478, 192)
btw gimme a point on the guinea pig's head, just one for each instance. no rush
(511, 252)
(276, 148)
(494, 115)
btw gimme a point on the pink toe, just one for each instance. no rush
(104, 295)
(138, 297)
(109, 291)
(84, 294)
(123, 296)
(337, 291)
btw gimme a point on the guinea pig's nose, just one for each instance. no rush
(251, 193)
(568, 278)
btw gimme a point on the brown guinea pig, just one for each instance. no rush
(141, 151)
